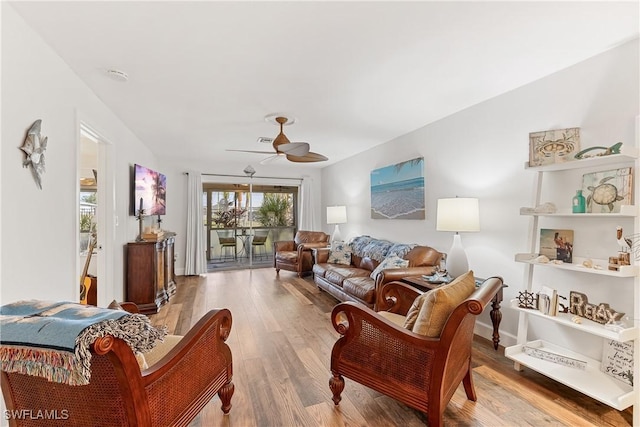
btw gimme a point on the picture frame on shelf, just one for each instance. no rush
(553, 146)
(557, 244)
(617, 360)
(606, 191)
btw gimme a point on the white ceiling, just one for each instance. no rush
(202, 75)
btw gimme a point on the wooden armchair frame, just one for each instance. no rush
(418, 371)
(170, 393)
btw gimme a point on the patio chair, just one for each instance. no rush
(259, 241)
(227, 241)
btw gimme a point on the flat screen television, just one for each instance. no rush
(149, 191)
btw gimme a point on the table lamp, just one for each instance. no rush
(457, 214)
(336, 215)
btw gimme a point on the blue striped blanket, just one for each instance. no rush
(52, 339)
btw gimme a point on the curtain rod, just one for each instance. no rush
(246, 176)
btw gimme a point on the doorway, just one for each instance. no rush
(242, 221)
(95, 223)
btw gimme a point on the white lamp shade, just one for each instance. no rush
(336, 214)
(458, 214)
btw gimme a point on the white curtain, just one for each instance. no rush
(308, 220)
(196, 260)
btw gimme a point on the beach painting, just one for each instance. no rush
(397, 191)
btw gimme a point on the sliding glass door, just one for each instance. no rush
(243, 221)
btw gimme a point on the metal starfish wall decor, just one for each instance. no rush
(34, 147)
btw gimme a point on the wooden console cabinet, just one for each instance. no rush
(150, 273)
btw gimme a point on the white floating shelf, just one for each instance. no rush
(629, 211)
(624, 271)
(627, 154)
(591, 381)
(587, 325)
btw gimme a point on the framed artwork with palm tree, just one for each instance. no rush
(397, 191)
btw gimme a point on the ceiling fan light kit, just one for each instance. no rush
(297, 152)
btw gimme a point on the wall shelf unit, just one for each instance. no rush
(591, 381)
(587, 325)
(576, 265)
(626, 211)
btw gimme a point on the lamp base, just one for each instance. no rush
(457, 263)
(336, 236)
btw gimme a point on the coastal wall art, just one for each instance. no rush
(397, 191)
(553, 146)
(606, 191)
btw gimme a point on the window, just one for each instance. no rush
(233, 206)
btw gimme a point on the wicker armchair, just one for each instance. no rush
(170, 392)
(416, 370)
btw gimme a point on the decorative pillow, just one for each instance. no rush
(115, 305)
(389, 262)
(440, 302)
(415, 308)
(340, 253)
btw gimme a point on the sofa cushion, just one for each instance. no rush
(340, 253)
(289, 256)
(389, 262)
(161, 350)
(367, 263)
(319, 269)
(440, 302)
(335, 274)
(360, 287)
(398, 319)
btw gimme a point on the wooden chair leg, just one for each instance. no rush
(225, 394)
(467, 382)
(336, 384)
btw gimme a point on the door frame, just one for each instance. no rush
(105, 212)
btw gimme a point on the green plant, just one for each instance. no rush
(275, 210)
(86, 223)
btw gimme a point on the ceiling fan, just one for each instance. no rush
(297, 152)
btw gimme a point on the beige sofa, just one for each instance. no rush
(353, 282)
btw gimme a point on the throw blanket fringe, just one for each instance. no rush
(50, 357)
(54, 365)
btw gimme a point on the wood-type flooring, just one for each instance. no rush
(281, 341)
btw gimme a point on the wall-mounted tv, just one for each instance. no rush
(149, 191)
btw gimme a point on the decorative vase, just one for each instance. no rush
(578, 202)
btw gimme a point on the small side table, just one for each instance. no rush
(495, 314)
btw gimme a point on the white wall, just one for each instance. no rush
(481, 151)
(39, 250)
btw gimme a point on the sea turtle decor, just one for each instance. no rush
(604, 194)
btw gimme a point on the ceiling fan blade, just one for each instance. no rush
(252, 151)
(270, 159)
(310, 157)
(294, 148)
